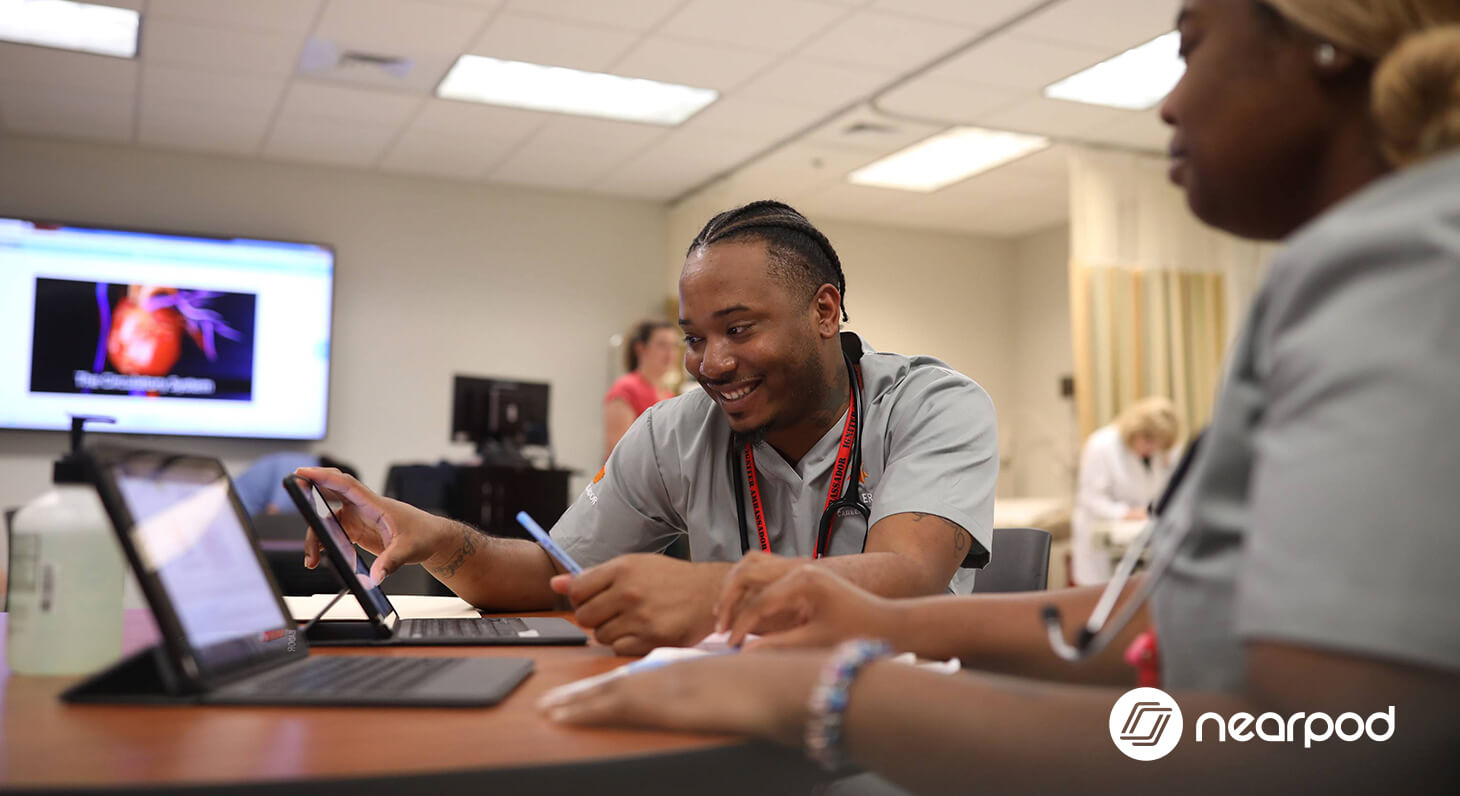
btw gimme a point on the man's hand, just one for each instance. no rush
(397, 533)
(637, 602)
(816, 608)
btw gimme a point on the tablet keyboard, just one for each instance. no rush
(336, 675)
(487, 627)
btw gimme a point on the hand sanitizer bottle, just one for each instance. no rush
(65, 576)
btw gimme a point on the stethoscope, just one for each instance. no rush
(1099, 630)
(850, 498)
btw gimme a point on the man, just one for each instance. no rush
(746, 467)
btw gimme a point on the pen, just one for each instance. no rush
(547, 543)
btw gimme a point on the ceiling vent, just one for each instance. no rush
(325, 60)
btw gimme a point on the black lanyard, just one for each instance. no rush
(842, 494)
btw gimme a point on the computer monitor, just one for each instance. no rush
(497, 412)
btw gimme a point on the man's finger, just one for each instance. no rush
(384, 565)
(591, 581)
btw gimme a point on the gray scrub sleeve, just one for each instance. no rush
(1355, 499)
(942, 453)
(627, 509)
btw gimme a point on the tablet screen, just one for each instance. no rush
(337, 539)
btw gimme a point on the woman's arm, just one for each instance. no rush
(617, 417)
(994, 632)
(935, 733)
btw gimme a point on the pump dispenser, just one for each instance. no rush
(65, 574)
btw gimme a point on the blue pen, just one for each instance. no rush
(547, 543)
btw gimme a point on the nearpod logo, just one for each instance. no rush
(1146, 724)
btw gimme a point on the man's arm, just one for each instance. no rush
(492, 573)
(908, 555)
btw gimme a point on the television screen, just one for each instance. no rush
(168, 334)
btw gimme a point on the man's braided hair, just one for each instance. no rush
(800, 256)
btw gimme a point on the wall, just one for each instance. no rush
(1045, 443)
(433, 277)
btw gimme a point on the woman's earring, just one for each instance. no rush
(1326, 54)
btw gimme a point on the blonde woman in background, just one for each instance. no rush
(1122, 469)
(650, 353)
(1310, 550)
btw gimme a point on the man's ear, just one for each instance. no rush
(827, 304)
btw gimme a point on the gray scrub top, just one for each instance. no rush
(1323, 509)
(929, 444)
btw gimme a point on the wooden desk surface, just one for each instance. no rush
(45, 743)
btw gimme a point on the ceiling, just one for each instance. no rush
(810, 90)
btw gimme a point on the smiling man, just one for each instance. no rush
(803, 443)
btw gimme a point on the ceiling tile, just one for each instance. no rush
(763, 120)
(168, 42)
(37, 110)
(44, 66)
(1115, 25)
(971, 13)
(864, 128)
(1140, 130)
(1018, 62)
(515, 37)
(949, 101)
(465, 119)
(677, 163)
(203, 128)
(692, 63)
(337, 103)
(404, 28)
(873, 38)
(778, 26)
(437, 154)
(275, 16)
(822, 86)
(638, 15)
(1050, 117)
(327, 141)
(842, 199)
(799, 167)
(573, 153)
(163, 85)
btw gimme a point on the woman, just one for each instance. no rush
(650, 354)
(1122, 468)
(1311, 546)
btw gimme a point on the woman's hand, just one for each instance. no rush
(817, 607)
(760, 695)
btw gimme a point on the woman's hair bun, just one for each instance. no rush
(1416, 96)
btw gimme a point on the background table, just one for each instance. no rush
(48, 744)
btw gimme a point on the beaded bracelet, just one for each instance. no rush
(829, 699)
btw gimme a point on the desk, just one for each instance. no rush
(45, 743)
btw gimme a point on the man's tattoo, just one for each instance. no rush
(468, 547)
(960, 536)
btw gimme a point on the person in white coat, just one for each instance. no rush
(1123, 467)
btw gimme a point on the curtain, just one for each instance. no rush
(1155, 294)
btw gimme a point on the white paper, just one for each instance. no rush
(408, 606)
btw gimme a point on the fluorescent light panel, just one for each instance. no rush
(83, 27)
(516, 84)
(1135, 80)
(946, 158)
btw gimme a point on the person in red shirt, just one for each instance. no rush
(649, 354)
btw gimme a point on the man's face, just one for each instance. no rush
(750, 340)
